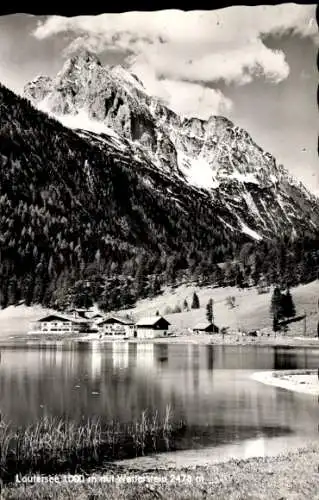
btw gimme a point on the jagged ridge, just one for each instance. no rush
(254, 194)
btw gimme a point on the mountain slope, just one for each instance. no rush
(71, 210)
(86, 216)
(250, 192)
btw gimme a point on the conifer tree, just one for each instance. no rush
(288, 305)
(195, 303)
(276, 305)
(209, 311)
(275, 324)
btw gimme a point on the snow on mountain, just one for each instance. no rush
(110, 106)
(196, 171)
(249, 231)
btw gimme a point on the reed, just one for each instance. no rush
(55, 445)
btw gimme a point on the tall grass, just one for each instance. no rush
(55, 445)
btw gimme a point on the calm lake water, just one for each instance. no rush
(207, 386)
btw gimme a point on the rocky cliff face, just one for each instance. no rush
(215, 157)
(112, 96)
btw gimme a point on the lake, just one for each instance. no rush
(207, 386)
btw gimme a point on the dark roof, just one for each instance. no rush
(115, 319)
(54, 317)
(151, 321)
(204, 325)
(61, 317)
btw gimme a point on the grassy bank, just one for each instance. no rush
(53, 446)
(290, 476)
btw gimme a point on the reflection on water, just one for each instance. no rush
(208, 386)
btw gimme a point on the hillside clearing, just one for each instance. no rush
(251, 311)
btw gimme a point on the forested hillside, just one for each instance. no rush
(68, 212)
(76, 225)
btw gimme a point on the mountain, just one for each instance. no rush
(250, 191)
(106, 206)
(72, 211)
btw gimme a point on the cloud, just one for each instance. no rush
(187, 98)
(238, 65)
(192, 48)
(191, 99)
(230, 24)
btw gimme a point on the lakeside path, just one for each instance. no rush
(290, 476)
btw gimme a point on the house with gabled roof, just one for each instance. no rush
(59, 323)
(153, 326)
(115, 326)
(205, 327)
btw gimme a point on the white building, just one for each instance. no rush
(58, 323)
(155, 326)
(79, 313)
(114, 326)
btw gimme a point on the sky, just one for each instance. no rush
(256, 65)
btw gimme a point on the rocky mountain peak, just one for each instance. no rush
(86, 70)
(215, 148)
(213, 155)
(111, 95)
(84, 56)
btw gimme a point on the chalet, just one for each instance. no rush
(155, 326)
(59, 323)
(115, 326)
(205, 327)
(80, 313)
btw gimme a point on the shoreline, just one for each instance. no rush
(292, 474)
(233, 340)
(247, 449)
(301, 381)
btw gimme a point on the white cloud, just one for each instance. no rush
(232, 64)
(198, 46)
(191, 99)
(228, 24)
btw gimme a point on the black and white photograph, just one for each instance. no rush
(159, 253)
